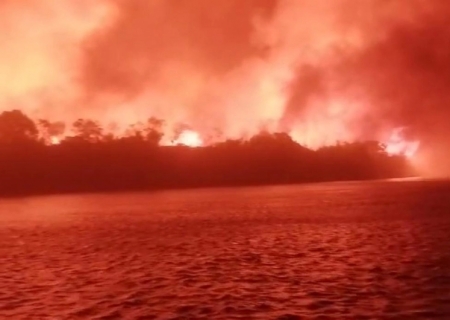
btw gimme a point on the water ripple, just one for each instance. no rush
(345, 251)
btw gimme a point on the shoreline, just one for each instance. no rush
(32, 194)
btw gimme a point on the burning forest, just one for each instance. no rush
(37, 157)
(321, 72)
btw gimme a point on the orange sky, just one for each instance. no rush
(320, 70)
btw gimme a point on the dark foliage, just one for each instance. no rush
(92, 161)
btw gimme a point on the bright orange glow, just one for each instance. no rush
(313, 69)
(398, 145)
(55, 140)
(189, 138)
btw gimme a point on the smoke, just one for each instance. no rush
(40, 52)
(405, 76)
(321, 70)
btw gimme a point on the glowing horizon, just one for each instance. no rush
(320, 71)
(396, 144)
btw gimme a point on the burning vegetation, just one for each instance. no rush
(41, 157)
(320, 71)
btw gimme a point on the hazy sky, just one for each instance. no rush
(321, 70)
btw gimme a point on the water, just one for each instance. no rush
(377, 250)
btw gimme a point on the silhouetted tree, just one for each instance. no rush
(48, 130)
(88, 130)
(153, 131)
(16, 127)
(95, 161)
(279, 141)
(134, 133)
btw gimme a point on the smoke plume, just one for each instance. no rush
(323, 71)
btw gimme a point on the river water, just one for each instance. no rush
(372, 250)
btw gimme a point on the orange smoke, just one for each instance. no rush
(226, 70)
(398, 144)
(40, 52)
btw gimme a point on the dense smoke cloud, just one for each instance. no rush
(405, 76)
(40, 52)
(321, 70)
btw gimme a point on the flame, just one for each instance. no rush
(91, 59)
(189, 138)
(398, 145)
(54, 140)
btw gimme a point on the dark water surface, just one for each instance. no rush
(377, 250)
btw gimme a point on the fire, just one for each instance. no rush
(189, 138)
(55, 140)
(285, 78)
(397, 144)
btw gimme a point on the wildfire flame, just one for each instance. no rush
(55, 140)
(91, 59)
(398, 145)
(189, 138)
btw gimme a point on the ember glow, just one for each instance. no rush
(322, 71)
(55, 140)
(397, 144)
(189, 138)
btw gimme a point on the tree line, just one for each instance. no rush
(90, 160)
